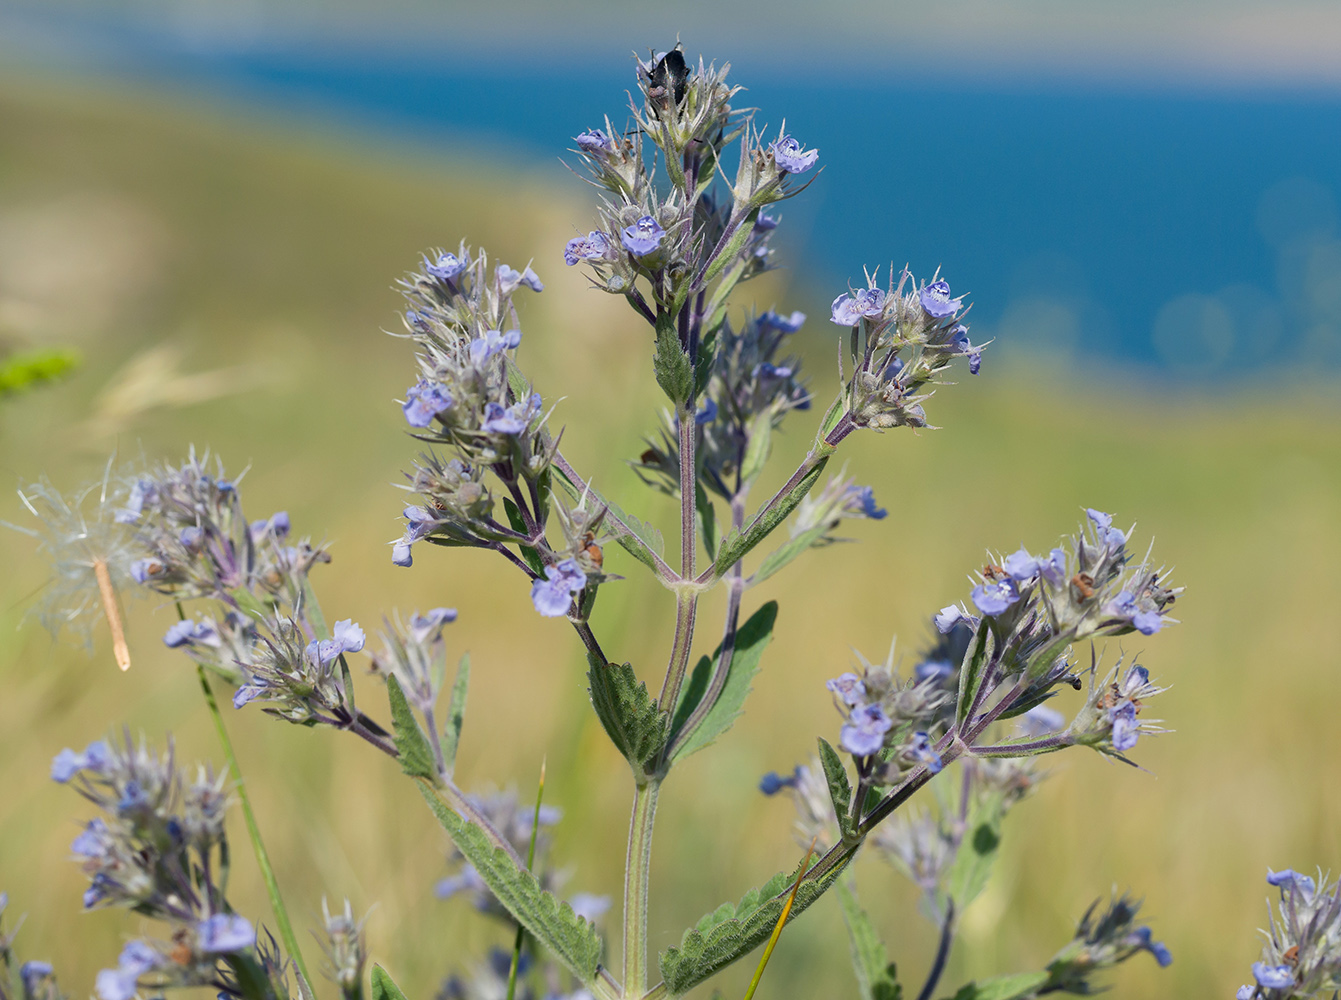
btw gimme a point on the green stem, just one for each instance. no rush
(637, 867)
(530, 863)
(254, 832)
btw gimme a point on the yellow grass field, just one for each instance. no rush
(227, 279)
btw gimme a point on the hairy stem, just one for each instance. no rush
(254, 833)
(637, 868)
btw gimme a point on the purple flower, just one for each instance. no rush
(922, 751)
(1021, 566)
(1292, 880)
(947, 617)
(933, 670)
(1273, 977)
(1144, 620)
(848, 687)
(191, 538)
(401, 555)
(865, 731)
(277, 525)
(553, 595)
(423, 401)
(144, 489)
(189, 632)
(1245, 993)
(1136, 678)
(966, 348)
(346, 637)
(492, 342)
(430, 624)
(421, 523)
(783, 324)
(248, 692)
(772, 782)
(116, 984)
(137, 958)
(447, 266)
(513, 419)
(224, 933)
(32, 973)
(1101, 520)
(848, 309)
(766, 222)
(509, 278)
(144, 570)
(593, 140)
(1053, 569)
(936, 300)
(67, 763)
(1144, 940)
(1041, 720)
(589, 906)
(594, 246)
(770, 371)
(790, 157)
(90, 842)
(860, 501)
(706, 415)
(643, 237)
(1125, 727)
(995, 596)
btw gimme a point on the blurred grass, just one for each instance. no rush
(134, 228)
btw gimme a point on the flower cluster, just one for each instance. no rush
(902, 342)
(1103, 939)
(1302, 953)
(414, 653)
(885, 713)
(159, 848)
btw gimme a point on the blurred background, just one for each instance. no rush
(211, 200)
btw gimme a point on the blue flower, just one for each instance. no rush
(848, 309)
(706, 415)
(864, 733)
(643, 237)
(860, 501)
(1292, 880)
(144, 570)
(430, 625)
(32, 973)
(225, 933)
(933, 670)
(936, 300)
(922, 751)
(766, 370)
(346, 637)
(772, 782)
(513, 419)
(189, 632)
(67, 763)
(967, 349)
(1145, 620)
(447, 266)
(594, 246)
(553, 595)
(766, 222)
(849, 687)
(947, 617)
(91, 842)
(1144, 940)
(790, 157)
(1273, 977)
(594, 140)
(137, 958)
(509, 278)
(423, 401)
(277, 525)
(783, 324)
(1021, 566)
(1053, 569)
(995, 596)
(1245, 993)
(1125, 727)
(144, 489)
(492, 342)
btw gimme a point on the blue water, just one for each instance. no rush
(1191, 232)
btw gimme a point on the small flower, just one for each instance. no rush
(783, 324)
(848, 687)
(772, 782)
(224, 933)
(1147, 621)
(553, 595)
(447, 266)
(492, 342)
(947, 617)
(936, 300)
(860, 501)
(143, 490)
(1125, 727)
(424, 401)
(1021, 566)
(594, 140)
(67, 763)
(511, 420)
(423, 627)
(589, 906)
(643, 237)
(189, 632)
(509, 279)
(1245, 993)
(594, 246)
(1273, 977)
(921, 750)
(707, 414)
(346, 637)
(848, 309)
(864, 733)
(137, 958)
(967, 349)
(92, 840)
(995, 596)
(933, 670)
(276, 525)
(1292, 880)
(1053, 569)
(790, 157)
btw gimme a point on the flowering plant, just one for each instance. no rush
(970, 716)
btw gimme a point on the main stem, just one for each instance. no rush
(254, 832)
(637, 867)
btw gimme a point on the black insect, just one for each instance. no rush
(669, 77)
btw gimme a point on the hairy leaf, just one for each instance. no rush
(972, 671)
(383, 987)
(738, 543)
(752, 639)
(730, 932)
(1021, 986)
(877, 977)
(416, 757)
(550, 921)
(456, 714)
(635, 724)
(840, 789)
(674, 371)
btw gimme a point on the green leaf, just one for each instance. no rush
(786, 552)
(528, 553)
(832, 416)
(752, 639)
(383, 988)
(635, 724)
(732, 248)
(29, 368)
(972, 866)
(759, 447)
(674, 372)
(550, 921)
(877, 977)
(1020, 986)
(971, 671)
(456, 714)
(737, 543)
(840, 789)
(731, 932)
(416, 758)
